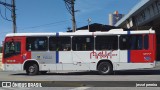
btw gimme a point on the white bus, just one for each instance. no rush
(81, 50)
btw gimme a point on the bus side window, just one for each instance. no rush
(124, 42)
(59, 43)
(106, 42)
(85, 43)
(64, 43)
(145, 43)
(137, 42)
(37, 44)
(131, 42)
(53, 44)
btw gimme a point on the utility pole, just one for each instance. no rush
(13, 13)
(14, 16)
(73, 16)
(70, 7)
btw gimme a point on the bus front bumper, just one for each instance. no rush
(12, 67)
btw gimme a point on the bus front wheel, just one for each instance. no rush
(105, 68)
(32, 69)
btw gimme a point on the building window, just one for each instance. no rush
(59, 43)
(106, 42)
(85, 43)
(37, 44)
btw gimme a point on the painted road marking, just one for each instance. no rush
(80, 88)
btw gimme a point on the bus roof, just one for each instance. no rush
(85, 33)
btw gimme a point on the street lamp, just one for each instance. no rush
(89, 21)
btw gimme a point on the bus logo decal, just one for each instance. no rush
(47, 57)
(102, 54)
(38, 57)
(147, 58)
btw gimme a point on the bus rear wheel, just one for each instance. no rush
(32, 69)
(105, 68)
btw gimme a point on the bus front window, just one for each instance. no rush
(11, 49)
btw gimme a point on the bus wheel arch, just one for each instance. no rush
(31, 67)
(105, 67)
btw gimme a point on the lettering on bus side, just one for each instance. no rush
(102, 54)
(47, 57)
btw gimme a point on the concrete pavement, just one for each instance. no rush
(141, 75)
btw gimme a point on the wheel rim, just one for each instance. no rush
(105, 69)
(31, 69)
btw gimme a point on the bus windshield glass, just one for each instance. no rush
(12, 48)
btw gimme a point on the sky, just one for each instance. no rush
(52, 16)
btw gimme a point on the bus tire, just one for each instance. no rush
(105, 68)
(32, 69)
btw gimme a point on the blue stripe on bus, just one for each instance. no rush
(57, 52)
(128, 32)
(128, 51)
(57, 57)
(129, 56)
(57, 34)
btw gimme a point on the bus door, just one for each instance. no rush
(61, 49)
(106, 48)
(12, 50)
(90, 50)
(82, 47)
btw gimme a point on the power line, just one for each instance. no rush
(24, 29)
(6, 4)
(3, 16)
(8, 8)
(70, 7)
(6, 13)
(13, 13)
(44, 25)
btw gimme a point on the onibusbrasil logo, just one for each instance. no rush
(21, 84)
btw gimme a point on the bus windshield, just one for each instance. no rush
(11, 49)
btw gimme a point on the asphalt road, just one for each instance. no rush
(142, 75)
